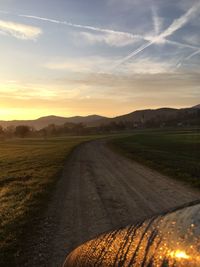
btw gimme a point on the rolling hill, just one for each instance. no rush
(197, 106)
(45, 121)
(149, 115)
(139, 117)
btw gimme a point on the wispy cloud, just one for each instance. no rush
(20, 31)
(148, 66)
(94, 64)
(111, 39)
(20, 90)
(117, 38)
(4, 12)
(80, 65)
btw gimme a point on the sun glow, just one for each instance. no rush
(179, 254)
(22, 114)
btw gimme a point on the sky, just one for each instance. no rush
(108, 57)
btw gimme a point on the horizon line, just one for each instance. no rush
(61, 116)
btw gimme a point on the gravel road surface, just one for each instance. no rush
(99, 191)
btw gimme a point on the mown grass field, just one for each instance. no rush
(29, 169)
(174, 152)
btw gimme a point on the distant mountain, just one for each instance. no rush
(45, 121)
(143, 117)
(138, 118)
(197, 106)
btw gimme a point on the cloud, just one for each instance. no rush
(20, 31)
(80, 65)
(102, 65)
(192, 41)
(192, 38)
(161, 38)
(157, 21)
(134, 53)
(21, 90)
(120, 38)
(86, 27)
(114, 38)
(148, 66)
(140, 84)
(136, 91)
(182, 45)
(193, 54)
(111, 39)
(106, 94)
(111, 94)
(179, 64)
(4, 12)
(180, 22)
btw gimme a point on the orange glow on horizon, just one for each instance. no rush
(179, 254)
(8, 114)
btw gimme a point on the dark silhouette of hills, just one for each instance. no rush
(45, 121)
(153, 117)
(140, 118)
(197, 106)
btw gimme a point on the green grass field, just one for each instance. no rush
(175, 153)
(29, 170)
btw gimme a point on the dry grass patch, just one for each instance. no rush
(29, 169)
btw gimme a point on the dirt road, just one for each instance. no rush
(99, 191)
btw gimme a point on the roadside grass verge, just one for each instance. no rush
(174, 153)
(29, 169)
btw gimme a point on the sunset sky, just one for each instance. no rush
(106, 57)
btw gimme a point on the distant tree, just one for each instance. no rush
(51, 130)
(33, 131)
(22, 131)
(10, 131)
(43, 133)
(78, 128)
(1, 130)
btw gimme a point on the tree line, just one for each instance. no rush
(185, 118)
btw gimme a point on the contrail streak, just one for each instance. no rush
(176, 25)
(156, 20)
(180, 22)
(188, 57)
(193, 54)
(182, 44)
(97, 29)
(134, 53)
(159, 39)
